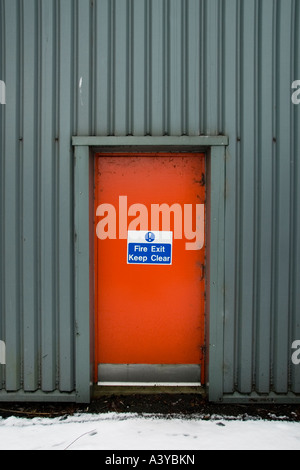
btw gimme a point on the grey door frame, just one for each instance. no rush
(84, 150)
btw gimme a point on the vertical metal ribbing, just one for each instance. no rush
(121, 67)
(138, 68)
(295, 252)
(2, 188)
(283, 203)
(156, 68)
(11, 219)
(231, 120)
(212, 71)
(46, 157)
(193, 82)
(150, 67)
(29, 200)
(65, 202)
(83, 59)
(112, 70)
(264, 197)
(102, 67)
(175, 54)
(246, 216)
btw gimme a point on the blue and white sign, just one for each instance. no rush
(149, 247)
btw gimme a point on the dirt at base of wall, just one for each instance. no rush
(163, 404)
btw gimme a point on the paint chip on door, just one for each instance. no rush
(149, 247)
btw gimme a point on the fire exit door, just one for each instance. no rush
(149, 268)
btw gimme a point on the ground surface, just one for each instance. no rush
(165, 404)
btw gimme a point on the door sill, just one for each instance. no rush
(148, 384)
(125, 389)
(149, 374)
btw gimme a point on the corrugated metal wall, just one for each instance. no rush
(150, 67)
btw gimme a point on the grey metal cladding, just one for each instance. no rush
(150, 67)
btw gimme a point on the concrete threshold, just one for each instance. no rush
(99, 390)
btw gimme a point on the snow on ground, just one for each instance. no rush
(113, 431)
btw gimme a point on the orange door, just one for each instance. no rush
(149, 296)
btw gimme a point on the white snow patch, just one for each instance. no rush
(113, 431)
